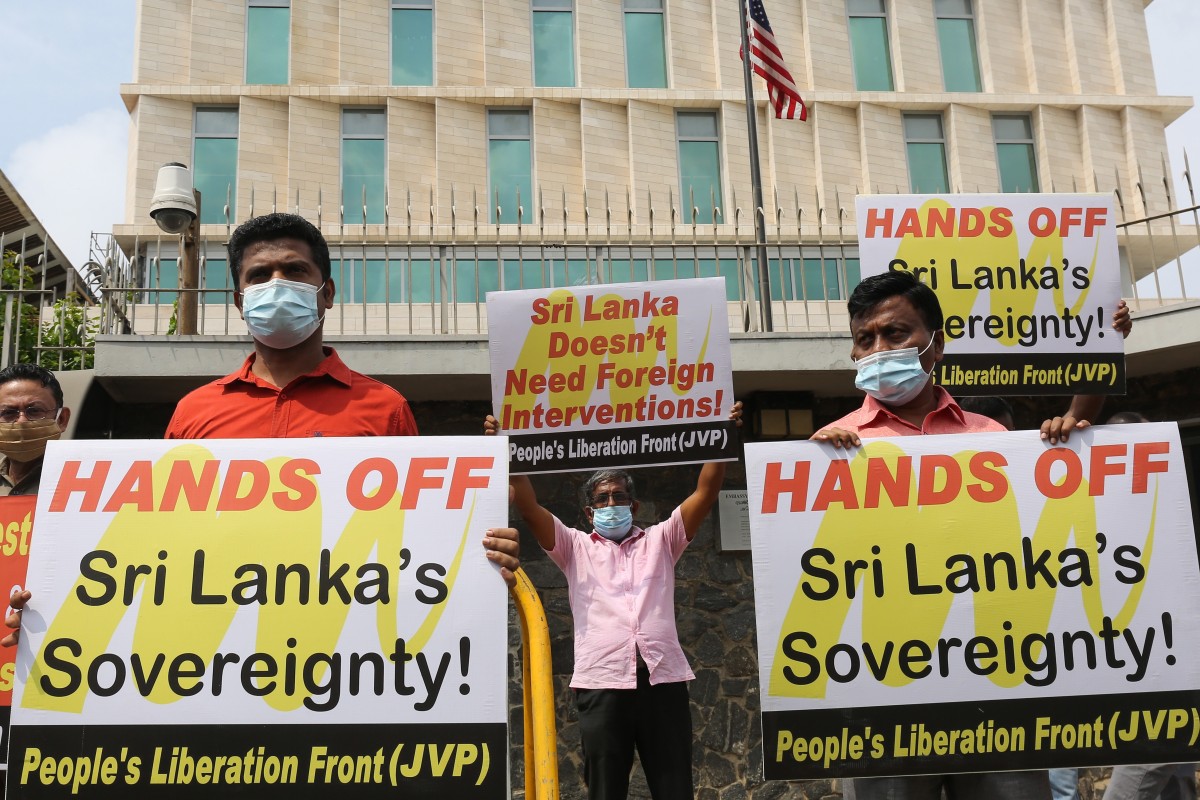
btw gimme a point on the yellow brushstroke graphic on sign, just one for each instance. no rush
(959, 267)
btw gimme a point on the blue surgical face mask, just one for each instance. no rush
(612, 522)
(281, 314)
(893, 377)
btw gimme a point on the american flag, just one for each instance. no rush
(767, 61)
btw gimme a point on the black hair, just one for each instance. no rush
(1125, 418)
(32, 372)
(606, 476)
(990, 407)
(270, 227)
(900, 283)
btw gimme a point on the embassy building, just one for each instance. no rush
(449, 148)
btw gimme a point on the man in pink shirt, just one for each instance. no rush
(631, 674)
(896, 330)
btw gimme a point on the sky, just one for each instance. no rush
(65, 134)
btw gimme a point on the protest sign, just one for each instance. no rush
(1028, 284)
(16, 528)
(941, 604)
(278, 618)
(613, 375)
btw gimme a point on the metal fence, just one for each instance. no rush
(411, 274)
(52, 325)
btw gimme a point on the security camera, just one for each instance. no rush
(173, 206)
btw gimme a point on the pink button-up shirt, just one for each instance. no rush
(875, 419)
(623, 601)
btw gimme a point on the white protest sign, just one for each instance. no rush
(1028, 284)
(299, 615)
(933, 604)
(612, 375)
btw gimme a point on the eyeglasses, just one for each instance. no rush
(31, 413)
(620, 498)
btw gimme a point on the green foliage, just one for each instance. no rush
(67, 340)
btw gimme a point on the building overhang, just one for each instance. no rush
(157, 369)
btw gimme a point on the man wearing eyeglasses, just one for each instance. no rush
(631, 675)
(31, 414)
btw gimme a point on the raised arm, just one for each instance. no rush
(539, 520)
(712, 475)
(697, 505)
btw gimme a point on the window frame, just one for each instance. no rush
(553, 7)
(246, 39)
(970, 17)
(661, 11)
(684, 203)
(413, 5)
(886, 16)
(490, 137)
(196, 136)
(343, 137)
(1031, 143)
(940, 116)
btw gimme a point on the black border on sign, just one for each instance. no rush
(123, 742)
(1061, 373)
(726, 448)
(902, 755)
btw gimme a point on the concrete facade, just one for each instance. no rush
(1097, 116)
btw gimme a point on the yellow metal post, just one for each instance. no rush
(541, 736)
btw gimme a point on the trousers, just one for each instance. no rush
(656, 720)
(1033, 785)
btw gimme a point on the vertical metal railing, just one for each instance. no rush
(439, 261)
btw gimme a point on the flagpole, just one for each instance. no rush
(760, 234)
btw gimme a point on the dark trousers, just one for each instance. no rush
(1031, 785)
(655, 719)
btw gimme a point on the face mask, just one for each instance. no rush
(612, 522)
(281, 314)
(26, 441)
(893, 377)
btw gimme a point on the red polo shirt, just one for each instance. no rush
(332, 400)
(874, 419)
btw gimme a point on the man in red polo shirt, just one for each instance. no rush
(897, 338)
(292, 384)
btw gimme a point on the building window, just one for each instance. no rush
(510, 165)
(869, 49)
(1014, 153)
(412, 42)
(364, 165)
(268, 33)
(645, 53)
(699, 166)
(926, 146)
(553, 43)
(813, 276)
(956, 41)
(214, 163)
